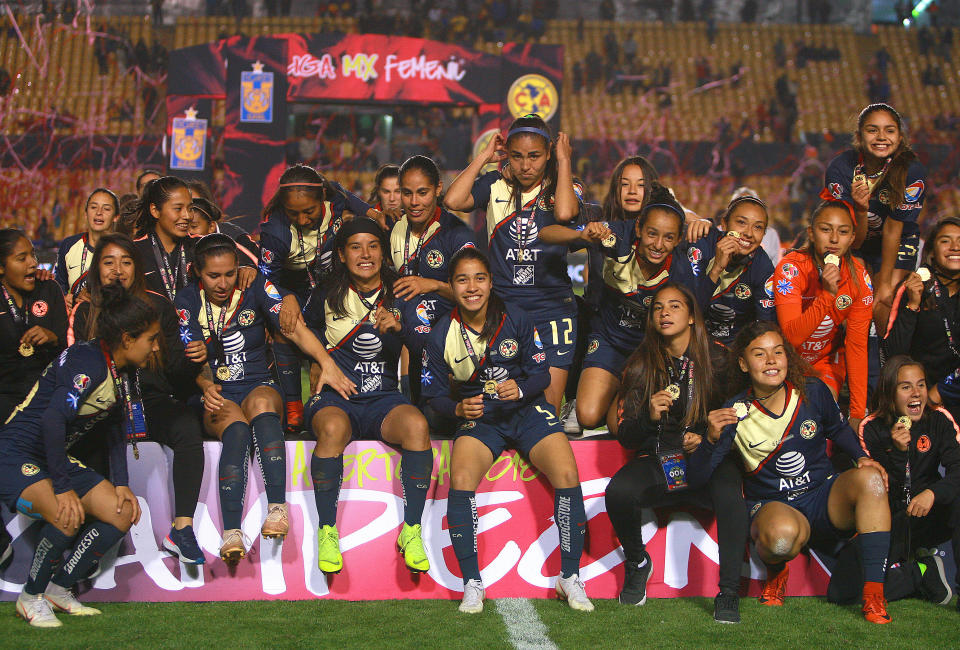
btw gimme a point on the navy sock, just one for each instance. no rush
(95, 540)
(271, 454)
(462, 524)
(405, 386)
(46, 558)
(571, 521)
(415, 469)
(233, 472)
(873, 549)
(327, 476)
(288, 370)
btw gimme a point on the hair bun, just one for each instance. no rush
(113, 296)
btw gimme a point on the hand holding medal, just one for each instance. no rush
(900, 434)
(719, 419)
(860, 189)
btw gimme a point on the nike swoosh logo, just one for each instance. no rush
(336, 318)
(461, 360)
(73, 266)
(756, 445)
(102, 400)
(501, 201)
(560, 354)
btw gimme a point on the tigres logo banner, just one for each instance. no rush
(256, 93)
(188, 146)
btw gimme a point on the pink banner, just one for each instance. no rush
(518, 543)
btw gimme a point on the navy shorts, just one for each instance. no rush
(812, 504)
(522, 430)
(601, 353)
(556, 324)
(237, 391)
(366, 411)
(18, 472)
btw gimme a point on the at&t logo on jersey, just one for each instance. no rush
(790, 466)
(524, 231)
(367, 345)
(508, 348)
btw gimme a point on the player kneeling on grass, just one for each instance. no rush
(912, 441)
(227, 327)
(365, 328)
(779, 423)
(499, 370)
(37, 476)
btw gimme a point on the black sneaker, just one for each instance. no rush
(933, 581)
(726, 608)
(635, 584)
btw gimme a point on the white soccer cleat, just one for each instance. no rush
(36, 611)
(473, 594)
(572, 590)
(63, 600)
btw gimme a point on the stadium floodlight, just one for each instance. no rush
(920, 8)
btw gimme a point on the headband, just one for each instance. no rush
(301, 185)
(214, 240)
(356, 226)
(745, 197)
(665, 206)
(200, 204)
(528, 129)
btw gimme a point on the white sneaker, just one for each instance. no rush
(36, 611)
(573, 591)
(63, 600)
(568, 417)
(473, 593)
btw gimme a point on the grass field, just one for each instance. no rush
(688, 622)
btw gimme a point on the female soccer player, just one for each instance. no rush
(778, 423)
(364, 326)
(159, 390)
(499, 374)
(924, 322)
(534, 190)
(669, 386)
(73, 257)
(883, 180)
(207, 219)
(242, 404)
(386, 191)
(33, 320)
(736, 271)
(821, 289)
(41, 481)
(640, 259)
(296, 240)
(422, 243)
(912, 440)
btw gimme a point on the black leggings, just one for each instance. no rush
(640, 484)
(176, 425)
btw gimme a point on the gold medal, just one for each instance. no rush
(832, 259)
(924, 273)
(905, 421)
(609, 241)
(490, 387)
(734, 234)
(674, 391)
(741, 410)
(859, 178)
(25, 350)
(223, 373)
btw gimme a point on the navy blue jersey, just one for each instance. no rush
(627, 294)
(289, 254)
(838, 181)
(368, 357)
(248, 249)
(73, 263)
(742, 294)
(74, 393)
(515, 352)
(525, 270)
(784, 456)
(429, 255)
(244, 335)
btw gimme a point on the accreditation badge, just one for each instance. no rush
(189, 143)
(674, 470)
(256, 94)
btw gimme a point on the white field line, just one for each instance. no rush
(526, 630)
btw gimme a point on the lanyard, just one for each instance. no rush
(858, 171)
(122, 388)
(321, 240)
(217, 334)
(941, 307)
(371, 306)
(406, 269)
(21, 320)
(477, 361)
(523, 224)
(171, 279)
(685, 374)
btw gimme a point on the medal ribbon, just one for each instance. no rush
(686, 373)
(942, 308)
(21, 320)
(171, 279)
(406, 269)
(217, 334)
(522, 222)
(321, 240)
(121, 387)
(371, 306)
(477, 361)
